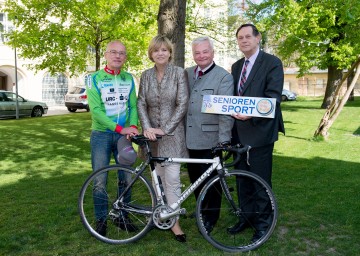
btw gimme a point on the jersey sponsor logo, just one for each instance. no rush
(125, 84)
(104, 85)
(110, 99)
(123, 77)
(107, 79)
(112, 103)
(123, 98)
(120, 98)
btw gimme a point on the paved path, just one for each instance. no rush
(60, 110)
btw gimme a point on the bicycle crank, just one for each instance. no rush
(160, 222)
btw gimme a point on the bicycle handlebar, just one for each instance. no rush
(237, 149)
(141, 140)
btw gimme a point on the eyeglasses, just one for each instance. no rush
(114, 53)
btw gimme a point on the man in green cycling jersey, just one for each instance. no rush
(112, 100)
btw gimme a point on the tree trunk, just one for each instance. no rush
(349, 80)
(97, 57)
(335, 108)
(334, 77)
(171, 23)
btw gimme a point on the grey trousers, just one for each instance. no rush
(170, 178)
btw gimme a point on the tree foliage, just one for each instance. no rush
(202, 21)
(323, 34)
(67, 35)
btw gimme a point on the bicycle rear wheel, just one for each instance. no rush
(116, 223)
(234, 210)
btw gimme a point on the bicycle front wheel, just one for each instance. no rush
(249, 200)
(112, 219)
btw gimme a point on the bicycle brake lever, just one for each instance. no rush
(248, 155)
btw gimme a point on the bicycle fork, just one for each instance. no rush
(227, 192)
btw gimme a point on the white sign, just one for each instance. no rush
(248, 106)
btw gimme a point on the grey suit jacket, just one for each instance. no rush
(204, 131)
(164, 106)
(265, 80)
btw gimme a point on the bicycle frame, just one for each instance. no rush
(215, 165)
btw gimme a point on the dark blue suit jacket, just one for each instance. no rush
(265, 80)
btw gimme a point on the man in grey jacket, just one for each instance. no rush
(204, 131)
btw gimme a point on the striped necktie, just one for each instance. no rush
(243, 78)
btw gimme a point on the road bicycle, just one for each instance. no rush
(147, 206)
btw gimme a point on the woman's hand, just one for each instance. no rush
(152, 132)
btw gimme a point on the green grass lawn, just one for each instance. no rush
(44, 161)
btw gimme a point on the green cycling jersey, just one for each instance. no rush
(112, 100)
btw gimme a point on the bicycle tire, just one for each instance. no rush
(228, 217)
(139, 208)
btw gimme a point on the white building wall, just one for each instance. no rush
(29, 82)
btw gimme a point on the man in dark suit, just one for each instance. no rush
(263, 77)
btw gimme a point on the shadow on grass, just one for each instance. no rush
(357, 131)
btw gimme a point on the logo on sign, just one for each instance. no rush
(264, 107)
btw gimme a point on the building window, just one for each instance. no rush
(303, 86)
(87, 79)
(320, 83)
(54, 88)
(2, 27)
(6, 26)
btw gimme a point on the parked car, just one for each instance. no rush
(76, 99)
(288, 95)
(26, 107)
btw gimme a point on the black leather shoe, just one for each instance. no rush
(257, 235)
(238, 227)
(180, 238)
(208, 226)
(101, 227)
